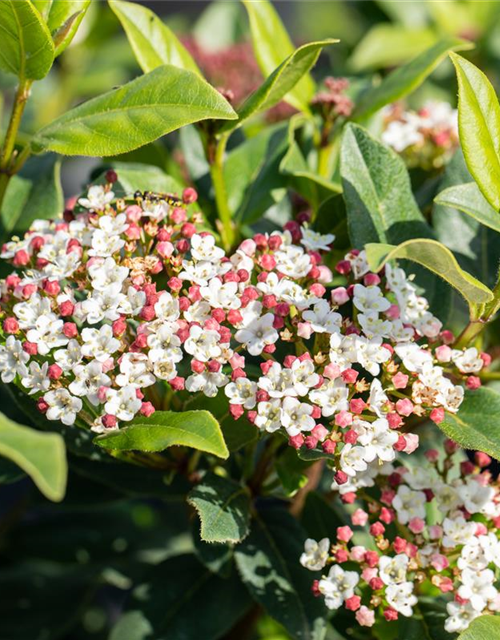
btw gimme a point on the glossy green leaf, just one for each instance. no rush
(268, 564)
(32, 194)
(41, 455)
(134, 115)
(482, 628)
(195, 429)
(224, 509)
(182, 599)
(27, 49)
(271, 45)
(63, 21)
(152, 41)
(426, 622)
(318, 517)
(406, 78)
(281, 81)
(479, 127)
(476, 424)
(437, 258)
(469, 199)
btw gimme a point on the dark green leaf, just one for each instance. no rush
(268, 563)
(407, 78)
(318, 517)
(182, 600)
(218, 558)
(196, 429)
(476, 424)
(41, 455)
(290, 469)
(27, 49)
(469, 199)
(224, 509)
(152, 41)
(427, 622)
(134, 115)
(479, 126)
(482, 628)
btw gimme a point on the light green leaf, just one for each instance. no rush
(41, 455)
(63, 21)
(469, 199)
(437, 258)
(224, 509)
(482, 628)
(27, 49)
(479, 127)
(134, 115)
(271, 45)
(476, 425)
(195, 429)
(406, 78)
(34, 193)
(268, 564)
(152, 41)
(281, 81)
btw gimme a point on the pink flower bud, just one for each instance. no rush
(304, 330)
(341, 555)
(376, 583)
(443, 353)
(21, 258)
(357, 405)
(353, 603)
(178, 215)
(109, 421)
(331, 371)
(435, 532)
(317, 290)
(482, 459)
(296, 441)
(329, 446)
(416, 525)
(400, 380)
(390, 614)
(340, 476)
(165, 249)
(358, 553)
(10, 325)
(248, 247)
(147, 409)
(437, 415)
(30, 347)
(387, 515)
(350, 437)
(473, 383)
(344, 534)
(365, 617)
(340, 296)
(349, 376)
(311, 442)
(177, 383)
(343, 267)
(359, 518)
(412, 442)
(319, 432)
(54, 372)
(343, 419)
(70, 330)
(404, 407)
(432, 455)
(371, 558)
(189, 195)
(377, 529)
(236, 410)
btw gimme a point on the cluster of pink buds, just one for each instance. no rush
(434, 532)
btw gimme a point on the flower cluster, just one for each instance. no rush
(434, 530)
(121, 299)
(426, 138)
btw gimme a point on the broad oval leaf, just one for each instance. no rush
(63, 21)
(271, 45)
(476, 424)
(224, 509)
(469, 199)
(133, 115)
(152, 41)
(41, 455)
(434, 256)
(281, 81)
(482, 628)
(407, 78)
(195, 429)
(479, 127)
(27, 49)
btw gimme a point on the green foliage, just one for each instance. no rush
(318, 517)
(195, 429)
(41, 455)
(152, 41)
(224, 509)
(27, 48)
(64, 18)
(134, 115)
(482, 628)
(479, 124)
(469, 199)
(476, 426)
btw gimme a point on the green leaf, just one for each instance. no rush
(195, 429)
(437, 258)
(271, 45)
(218, 558)
(479, 127)
(406, 78)
(63, 21)
(134, 115)
(318, 518)
(152, 41)
(476, 424)
(482, 628)
(281, 81)
(426, 622)
(268, 564)
(290, 469)
(133, 176)
(177, 601)
(469, 199)
(41, 455)
(27, 49)
(224, 509)
(33, 193)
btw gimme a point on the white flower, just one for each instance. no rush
(257, 334)
(69, 357)
(37, 379)
(414, 358)
(303, 376)
(167, 307)
(342, 351)
(164, 369)
(104, 244)
(352, 459)
(460, 616)
(400, 597)
(402, 134)
(378, 441)
(467, 361)
(122, 403)
(378, 399)
(314, 241)
(472, 555)
(13, 359)
(278, 382)
(88, 380)
(369, 299)
(62, 406)
(457, 531)
(373, 326)
(292, 261)
(393, 570)
(135, 371)
(198, 312)
(338, 586)
(332, 397)
(102, 305)
(203, 248)
(242, 391)
(268, 416)
(203, 344)
(97, 198)
(370, 354)
(164, 344)
(296, 416)
(104, 273)
(29, 311)
(198, 272)
(47, 333)
(155, 210)
(99, 343)
(206, 382)
(475, 497)
(409, 504)
(322, 319)
(315, 554)
(477, 587)
(221, 295)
